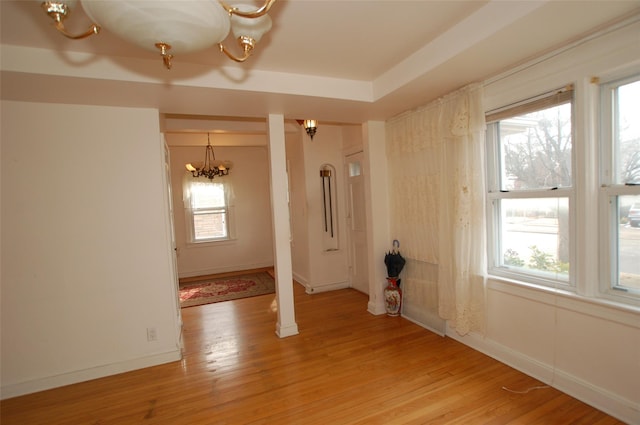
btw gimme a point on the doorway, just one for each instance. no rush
(356, 217)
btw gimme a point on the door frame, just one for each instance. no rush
(348, 198)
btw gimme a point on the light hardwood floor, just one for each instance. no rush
(345, 367)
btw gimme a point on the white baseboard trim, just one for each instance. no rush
(315, 289)
(424, 325)
(300, 279)
(376, 308)
(285, 331)
(226, 269)
(602, 399)
(37, 385)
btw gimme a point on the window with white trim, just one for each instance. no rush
(207, 211)
(531, 190)
(620, 166)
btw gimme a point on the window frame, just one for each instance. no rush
(191, 213)
(610, 191)
(495, 193)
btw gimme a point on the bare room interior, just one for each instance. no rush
(491, 143)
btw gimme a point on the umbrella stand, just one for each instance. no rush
(392, 293)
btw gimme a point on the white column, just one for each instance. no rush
(377, 207)
(286, 325)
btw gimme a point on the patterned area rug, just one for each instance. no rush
(209, 291)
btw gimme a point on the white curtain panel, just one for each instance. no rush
(189, 182)
(437, 192)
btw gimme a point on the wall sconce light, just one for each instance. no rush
(310, 126)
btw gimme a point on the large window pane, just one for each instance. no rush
(535, 149)
(627, 133)
(209, 225)
(628, 242)
(208, 212)
(530, 183)
(535, 236)
(621, 139)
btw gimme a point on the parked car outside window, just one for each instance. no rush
(634, 215)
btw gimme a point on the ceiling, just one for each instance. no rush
(340, 61)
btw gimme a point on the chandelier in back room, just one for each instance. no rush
(210, 167)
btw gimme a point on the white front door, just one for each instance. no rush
(356, 215)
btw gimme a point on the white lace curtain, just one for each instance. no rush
(190, 183)
(436, 161)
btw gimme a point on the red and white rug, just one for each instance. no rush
(209, 291)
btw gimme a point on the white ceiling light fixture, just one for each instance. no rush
(171, 27)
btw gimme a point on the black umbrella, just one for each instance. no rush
(394, 261)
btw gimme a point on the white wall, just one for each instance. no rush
(86, 261)
(351, 139)
(328, 270)
(298, 209)
(585, 347)
(252, 245)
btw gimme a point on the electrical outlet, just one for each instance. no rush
(152, 334)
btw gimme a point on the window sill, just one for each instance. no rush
(597, 307)
(210, 244)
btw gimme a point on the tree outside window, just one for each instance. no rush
(531, 187)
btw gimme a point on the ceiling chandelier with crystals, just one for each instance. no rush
(170, 27)
(210, 167)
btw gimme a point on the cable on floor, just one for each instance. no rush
(539, 387)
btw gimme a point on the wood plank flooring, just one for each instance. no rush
(345, 367)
